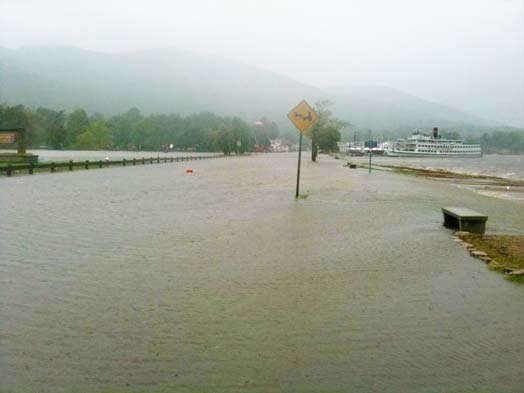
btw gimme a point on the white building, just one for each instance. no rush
(280, 146)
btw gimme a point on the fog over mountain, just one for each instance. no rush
(387, 65)
(170, 80)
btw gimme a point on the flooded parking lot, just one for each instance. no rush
(152, 279)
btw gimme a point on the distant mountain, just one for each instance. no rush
(384, 108)
(173, 80)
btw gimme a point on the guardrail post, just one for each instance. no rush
(151, 160)
(171, 158)
(87, 164)
(134, 161)
(100, 164)
(70, 165)
(158, 159)
(124, 162)
(31, 167)
(143, 161)
(52, 166)
(8, 171)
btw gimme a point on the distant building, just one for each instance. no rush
(280, 146)
(261, 149)
(351, 148)
(343, 147)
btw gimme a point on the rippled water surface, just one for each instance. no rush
(507, 166)
(500, 166)
(148, 279)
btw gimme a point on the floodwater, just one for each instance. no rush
(148, 279)
(96, 155)
(501, 166)
(506, 166)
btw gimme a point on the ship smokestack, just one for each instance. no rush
(435, 132)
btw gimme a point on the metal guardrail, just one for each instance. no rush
(30, 168)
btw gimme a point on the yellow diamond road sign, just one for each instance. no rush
(302, 116)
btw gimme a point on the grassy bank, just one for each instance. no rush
(506, 252)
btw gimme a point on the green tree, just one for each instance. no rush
(234, 136)
(125, 125)
(327, 138)
(242, 135)
(14, 117)
(224, 140)
(77, 123)
(325, 132)
(196, 131)
(97, 136)
(53, 123)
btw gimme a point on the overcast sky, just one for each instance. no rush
(465, 53)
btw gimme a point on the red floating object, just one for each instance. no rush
(189, 171)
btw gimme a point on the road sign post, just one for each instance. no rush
(302, 116)
(298, 170)
(370, 145)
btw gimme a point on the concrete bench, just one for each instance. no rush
(464, 219)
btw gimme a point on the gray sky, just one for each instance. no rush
(465, 53)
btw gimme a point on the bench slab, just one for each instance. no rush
(464, 219)
(464, 212)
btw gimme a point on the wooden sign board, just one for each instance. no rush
(7, 138)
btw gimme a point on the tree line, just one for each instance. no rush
(134, 131)
(503, 142)
(205, 131)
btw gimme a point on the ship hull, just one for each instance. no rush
(432, 155)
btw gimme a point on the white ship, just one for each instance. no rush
(421, 145)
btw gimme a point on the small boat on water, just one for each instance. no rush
(422, 145)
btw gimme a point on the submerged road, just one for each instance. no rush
(151, 279)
